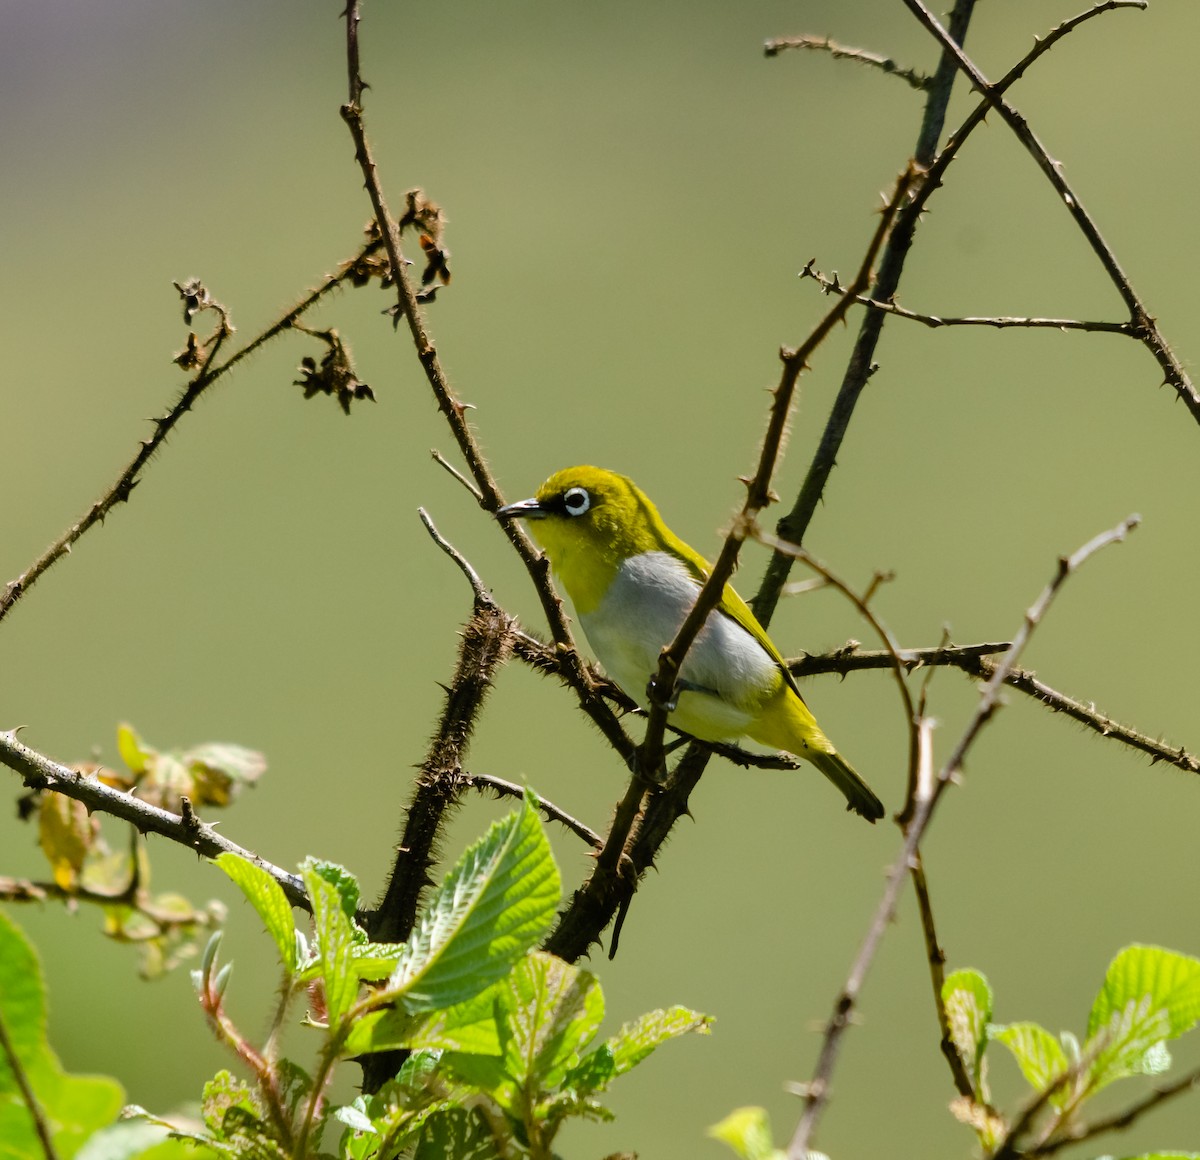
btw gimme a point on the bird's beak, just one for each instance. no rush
(526, 509)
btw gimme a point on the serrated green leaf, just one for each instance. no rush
(967, 997)
(638, 1039)
(552, 1010)
(340, 879)
(468, 1027)
(495, 904)
(267, 897)
(594, 1072)
(376, 960)
(748, 1132)
(1149, 995)
(139, 1140)
(456, 1134)
(1039, 1055)
(73, 1106)
(221, 1093)
(335, 942)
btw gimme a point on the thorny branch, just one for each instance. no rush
(454, 410)
(196, 299)
(817, 1091)
(779, 44)
(999, 322)
(40, 772)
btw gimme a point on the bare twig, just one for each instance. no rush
(553, 813)
(129, 478)
(918, 80)
(1145, 328)
(817, 1091)
(482, 595)
(41, 772)
(936, 957)
(1000, 322)
(28, 1095)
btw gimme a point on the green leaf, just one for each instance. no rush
(376, 960)
(73, 1107)
(1038, 1054)
(553, 1009)
(456, 1134)
(267, 897)
(340, 879)
(1149, 995)
(221, 1093)
(748, 1132)
(138, 1140)
(638, 1039)
(468, 1027)
(495, 904)
(967, 998)
(335, 942)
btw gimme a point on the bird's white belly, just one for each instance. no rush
(640, 614)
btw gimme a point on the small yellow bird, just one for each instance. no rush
(633, 581)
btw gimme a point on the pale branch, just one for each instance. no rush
(131, 476)
(794, 524)
(999, 322)
(442, 461)
(1145, 327)
(553, 813)
(8, 1051)
(936, 958)
(43, 773)
(918, 80)
(916, 817)
(482, 595)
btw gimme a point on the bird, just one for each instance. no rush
(632, 582)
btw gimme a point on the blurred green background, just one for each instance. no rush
(631, 190)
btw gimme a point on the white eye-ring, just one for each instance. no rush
(576, 500)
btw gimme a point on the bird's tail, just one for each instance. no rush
(857, 793)
(788, 724)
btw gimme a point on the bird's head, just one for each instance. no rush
(588, 520)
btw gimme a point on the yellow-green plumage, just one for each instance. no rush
(632, 581)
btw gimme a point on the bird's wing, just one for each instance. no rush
(732, 605)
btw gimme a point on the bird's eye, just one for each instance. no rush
(576, 500)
